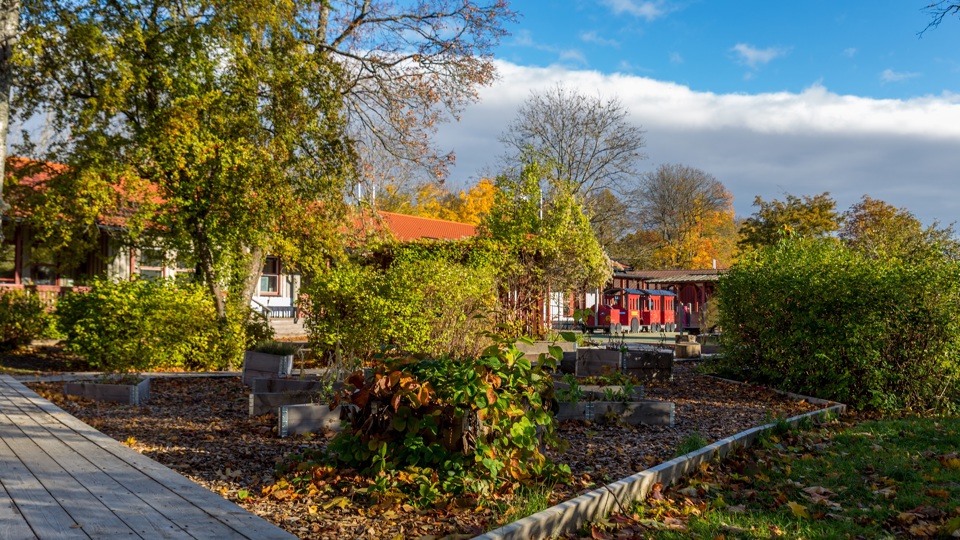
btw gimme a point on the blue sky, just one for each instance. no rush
(866, 48)
(771, 97)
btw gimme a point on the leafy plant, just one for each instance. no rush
(573, 394)
(139, 325)
(429, 428)
(421, 297)
(691, 442)
(818, 318)
(279, 348)
(23, 318)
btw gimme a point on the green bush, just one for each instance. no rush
(142, 325)
(22, 318)
(820, 319)
(428, 298)
(426, 429)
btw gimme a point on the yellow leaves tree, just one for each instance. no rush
(434, 201)
(806, 217)
(689, 215)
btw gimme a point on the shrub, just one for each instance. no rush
(820, 319)
(279, 348)
(142, 325)
(22, 318)
(428, 298)
(429, 428)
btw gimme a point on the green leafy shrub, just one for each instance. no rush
(425, 429)
(425, 298)
(257, 329)
(141, 325)
(820, 319)
(23, 318)
(279, 348)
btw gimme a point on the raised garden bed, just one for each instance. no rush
(647, 412)
(128, 394)
(258, 365)
(646, 364)
(270, 394)
(308, 418)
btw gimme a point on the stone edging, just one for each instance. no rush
(569, 515)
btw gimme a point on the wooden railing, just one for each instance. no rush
(48, 294)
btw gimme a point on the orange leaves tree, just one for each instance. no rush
(689, 216)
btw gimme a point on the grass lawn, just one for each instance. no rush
(870, 479)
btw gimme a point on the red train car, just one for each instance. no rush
(633, 310)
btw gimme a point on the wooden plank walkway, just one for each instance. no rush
(60, 478)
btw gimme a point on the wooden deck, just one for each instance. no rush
(60, 478)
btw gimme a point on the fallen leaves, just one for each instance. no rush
(200, 427)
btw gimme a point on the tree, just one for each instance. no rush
(229, 120)
(544, 243)
(431, 200)
(939, 10)
(9, 21)
(880, 230)
(611, 217)
(408, 65)
(219, 127)
(806, 217)
(691, 214)
(589, 143)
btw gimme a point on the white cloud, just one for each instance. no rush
(755, 57)
(644, 9)
(890, 75)
(850, 52)
(900, 151)
(593, 37)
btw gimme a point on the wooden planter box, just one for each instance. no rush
(270, 394)
(651, 413)
(311, 418)
(262, 365)
(129, 394)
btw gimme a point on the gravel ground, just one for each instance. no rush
(199, 427)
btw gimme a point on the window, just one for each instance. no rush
(43, 267)
(150, 263)
(8, 261)
(270, 277)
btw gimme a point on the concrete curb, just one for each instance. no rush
(568, 516)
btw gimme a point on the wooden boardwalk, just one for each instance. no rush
(60, 478)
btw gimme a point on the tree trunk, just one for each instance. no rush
(250, 282)
(9, 21)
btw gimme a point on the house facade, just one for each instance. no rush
(26, 265)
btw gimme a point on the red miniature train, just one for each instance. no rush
(633, 310)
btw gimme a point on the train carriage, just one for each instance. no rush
(633, 310)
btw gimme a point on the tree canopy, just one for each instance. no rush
(219, 125)
(687, 215)
(806, 217)
(230, 128)
(881, 230)
(543, 241)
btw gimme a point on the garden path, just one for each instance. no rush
(60, 478)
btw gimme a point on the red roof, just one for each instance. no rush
(405, 228)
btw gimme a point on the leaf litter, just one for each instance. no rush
(200, 428)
